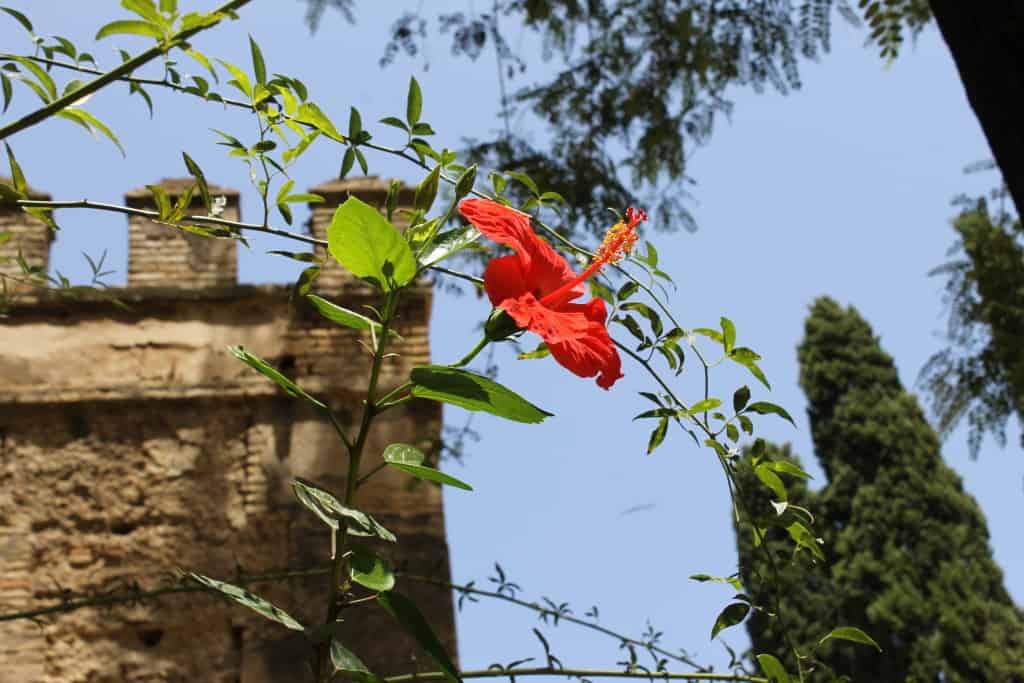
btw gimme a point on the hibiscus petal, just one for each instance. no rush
(503, 279)
(542, 267)
(575, 333)
(591, 353)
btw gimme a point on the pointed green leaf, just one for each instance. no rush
(259, 67)
(448, 243)
(131, 27)
(773, 669)
(17, 175)
(344, 662)
(765, 408)
(19, 17)
(473, 392)
(426, 191)
(414, 103)
(658, 435)
(250, 600)
(265, 369)
(730, 616)
(740, 398)
(728, 334)
(771, 480)
(853, 634)
(410, 617)
(90, 122)
(330, 510)
(344, 316)
(197, 173)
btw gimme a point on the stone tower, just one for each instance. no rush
(28, 236)
(132, 443)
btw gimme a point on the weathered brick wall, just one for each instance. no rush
(161, 256)
(29, 236)
(132, 443)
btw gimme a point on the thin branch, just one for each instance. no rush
(114, 74)
(133, 595)
(155, 215)
(561, 617)
(577, 673)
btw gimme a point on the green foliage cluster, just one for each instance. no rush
(906, 553)
(980, 375)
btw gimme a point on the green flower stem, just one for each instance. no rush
(473, 353)
(43, 113)
(339, 579)
(578, 673)
(155, 216)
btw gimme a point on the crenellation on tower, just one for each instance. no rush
(163, 256)
(29, 237)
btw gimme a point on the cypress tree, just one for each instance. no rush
(907, 556)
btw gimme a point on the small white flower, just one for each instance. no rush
(218, 205)
(733, 452)
(691, 339)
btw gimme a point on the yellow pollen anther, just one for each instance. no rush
(617, 244)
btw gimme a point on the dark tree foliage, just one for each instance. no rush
(641, 83)
(907, 552)
(980, 375)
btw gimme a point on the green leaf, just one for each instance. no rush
(709, 333)
(747, 358)
(851, 633)
(403, 454)
(241, 79)
(250, 600)
(525, 180)
(343, 661)
(259, 67)
(805, 539)
(787, 467)
(132, 27)
(344, 316)
(413, 103)
(730, 616)
(395, 122)
(704, 406)
(17, 176)
(449, 242)
(355, 123)
(144, 8)
(369, 570)
(262, 367)
(627, 290)
(773, 668)
(771, 480)
(41, 75)
(542, 351)
(728, 334)
(370, 247)
(465, 183)
(472, 392)
(19, 17)
(90, 122)
(410, 617)
(658, 435)
(426, 191)
(731, 580)
(330, 510)
(197, 173)
(766, 408)
(740, 398)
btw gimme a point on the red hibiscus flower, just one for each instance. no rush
(536, 286)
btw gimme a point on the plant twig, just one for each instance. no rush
(114, 74)
(578, 673)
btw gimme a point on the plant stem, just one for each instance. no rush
(577, 673)
(473, 353)
(155, 215)
(339, 581)
(114, 74)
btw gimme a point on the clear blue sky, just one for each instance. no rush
(841, 189)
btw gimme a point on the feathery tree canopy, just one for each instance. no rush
(907, 557)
